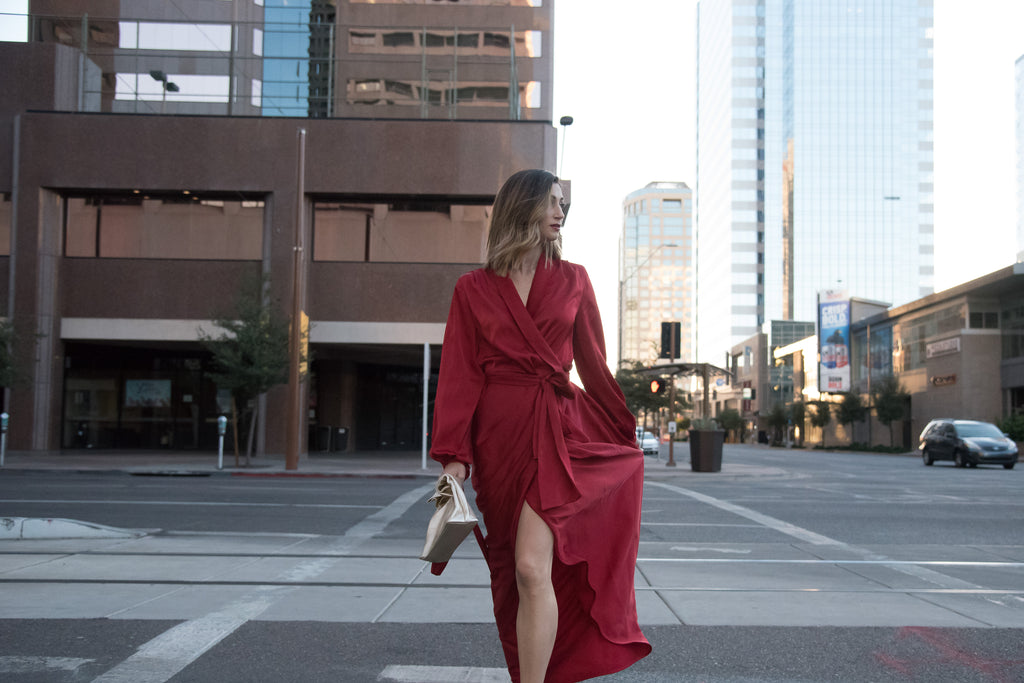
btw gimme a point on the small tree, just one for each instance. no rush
(731, 421)
(777, 420)
(798, 414)
(251, 356)
(889, 399)
(821, 416)
(851, 410)
(9, 374)
(636, 387)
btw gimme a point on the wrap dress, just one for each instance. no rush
(505, 406)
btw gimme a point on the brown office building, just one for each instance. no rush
(134, 211)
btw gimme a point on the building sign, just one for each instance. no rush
(833, 341)
(943, 348)
(943, 380)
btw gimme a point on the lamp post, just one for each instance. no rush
(627, 278)
(166, 86)
(564, 122)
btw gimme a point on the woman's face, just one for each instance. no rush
(551, 224)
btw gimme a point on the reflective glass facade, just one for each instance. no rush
(1019, 78)
(814, 160)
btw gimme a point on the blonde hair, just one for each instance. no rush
(518, 211)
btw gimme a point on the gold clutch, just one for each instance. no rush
(451, 523)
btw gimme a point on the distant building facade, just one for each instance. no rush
(656, 270)
(814, 159)
(123, 232)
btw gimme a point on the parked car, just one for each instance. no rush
(967, 443)
(647, 442)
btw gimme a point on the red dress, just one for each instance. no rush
(505, 405)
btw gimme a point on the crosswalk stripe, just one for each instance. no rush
(443, 674)
(28, 665)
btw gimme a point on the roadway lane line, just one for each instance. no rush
(443, 674)
(808, 536)
(164, 656)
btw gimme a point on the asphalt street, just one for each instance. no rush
(788, 565)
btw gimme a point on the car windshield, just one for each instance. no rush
(978, 430)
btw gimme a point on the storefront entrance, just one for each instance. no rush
(128, 397)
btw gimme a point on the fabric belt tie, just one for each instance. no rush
(554, 472)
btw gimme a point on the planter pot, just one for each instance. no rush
(706, 450)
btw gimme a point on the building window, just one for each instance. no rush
(984, 321)
(178, 226)
(412, 231)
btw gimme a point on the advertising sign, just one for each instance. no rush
(833, 341)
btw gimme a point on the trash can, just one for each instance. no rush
(323, 438)
(340, 440)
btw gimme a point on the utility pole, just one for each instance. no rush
(293, 431)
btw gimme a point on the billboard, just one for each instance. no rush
(833, 341)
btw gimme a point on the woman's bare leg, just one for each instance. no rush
(537, 620)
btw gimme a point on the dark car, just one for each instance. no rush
(967, 442)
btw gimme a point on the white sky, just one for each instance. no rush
(625, 72)
(627, 77)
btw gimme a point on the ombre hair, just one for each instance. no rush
(519, 208)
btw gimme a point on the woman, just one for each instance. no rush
(557, 474)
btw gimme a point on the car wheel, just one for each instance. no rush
(958, 459)
(1008, 465)
(926, 455)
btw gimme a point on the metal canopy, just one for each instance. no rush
(685, 370)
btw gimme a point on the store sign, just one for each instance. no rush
(942, 348)
(943, 380)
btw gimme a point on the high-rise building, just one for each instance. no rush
(814, 159)
(1019, 78)
(656, 270)
(134, 226)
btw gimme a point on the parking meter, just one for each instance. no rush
(4, 419)
(222, 427)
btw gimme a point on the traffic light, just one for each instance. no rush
(670, 342)
(657, 386)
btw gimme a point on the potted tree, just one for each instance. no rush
(706, 441)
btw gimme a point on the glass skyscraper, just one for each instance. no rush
(814, 159)
(1019, 78)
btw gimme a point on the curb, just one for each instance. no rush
(32, 528)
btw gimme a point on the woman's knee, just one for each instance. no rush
(533, 573)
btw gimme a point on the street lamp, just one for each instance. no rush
(564, 122)
(167, 85)
(622, 285)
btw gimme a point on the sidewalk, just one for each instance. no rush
(357, 464)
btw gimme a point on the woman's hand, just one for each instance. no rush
(457, 470)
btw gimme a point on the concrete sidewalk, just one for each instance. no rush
(358, 464)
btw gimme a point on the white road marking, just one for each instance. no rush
(191, 503)
(164, 656)
(911, 569)
(443, 674)
(28, 665)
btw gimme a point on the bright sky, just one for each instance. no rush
(631, 94)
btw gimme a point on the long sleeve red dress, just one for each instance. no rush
(506, 407)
